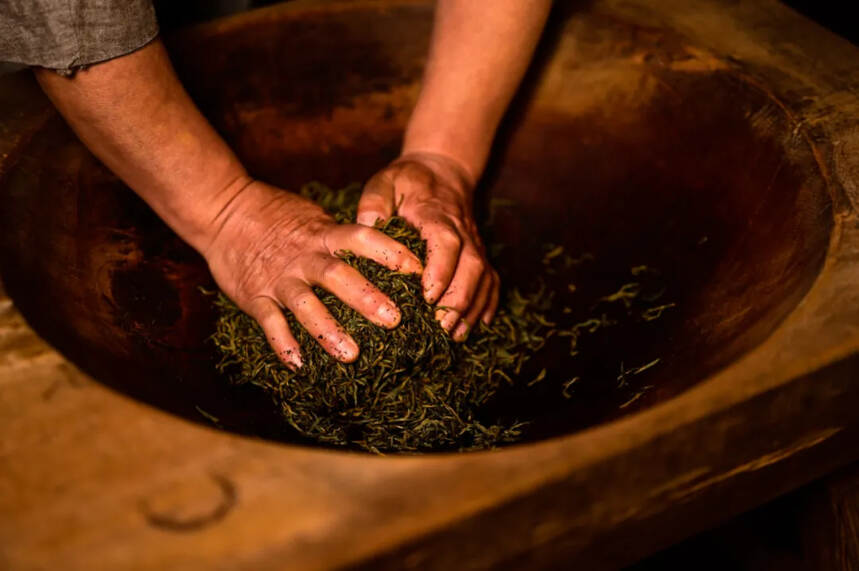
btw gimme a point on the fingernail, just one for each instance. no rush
(447, 318)
(429, 294)
(412, 266)
(367, 218)
(348, 350)
(461, 332)
(388, 314)
(292, 359)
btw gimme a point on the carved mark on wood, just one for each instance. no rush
(183, 514)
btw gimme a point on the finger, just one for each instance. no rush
(478, 305)
(459, 294)
(314, 316)
(375, 245)
(377, 200)
(273, 322)
(494, 297)
(357, 292)
(443, 251)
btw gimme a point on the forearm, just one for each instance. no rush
(135, 116)
(477, 59)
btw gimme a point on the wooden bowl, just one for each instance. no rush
(716, 142)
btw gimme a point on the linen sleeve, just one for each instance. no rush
(66, 35)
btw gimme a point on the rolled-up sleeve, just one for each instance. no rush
(66, 35)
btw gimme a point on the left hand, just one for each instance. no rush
(434, 193)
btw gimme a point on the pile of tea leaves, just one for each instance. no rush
(412, 388)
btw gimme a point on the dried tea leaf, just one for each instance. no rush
(412, 388)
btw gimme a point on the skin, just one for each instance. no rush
(267, 247)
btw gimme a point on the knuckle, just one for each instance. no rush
(363, 234)
(457, 212)
(246, 288)
(260, 305)
(302, 299)
(416, 174)
(371, 207)
(332, 271)
(456, 298)
(472, 258)
(449, 238)
(257, 310)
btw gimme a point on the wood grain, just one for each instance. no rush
(93, 479)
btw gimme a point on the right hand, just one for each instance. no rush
(270, 247)
(434, 192)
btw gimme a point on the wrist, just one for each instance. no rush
(225, 202)
(198, 214)
(454, 171)
(461, 147)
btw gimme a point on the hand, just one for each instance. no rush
(435, 194)
(271, 247)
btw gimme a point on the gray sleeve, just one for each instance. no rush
(69, 34)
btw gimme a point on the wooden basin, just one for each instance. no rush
(717, 142)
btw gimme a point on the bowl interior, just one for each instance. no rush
(625, 144)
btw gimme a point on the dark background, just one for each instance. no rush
(172, 15)
(830, 14)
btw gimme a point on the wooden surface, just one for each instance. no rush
(830, 521)
(90, 478)
(810, 529)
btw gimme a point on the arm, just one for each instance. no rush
(478, 56)
(265, 247)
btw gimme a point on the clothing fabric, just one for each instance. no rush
(66, 35)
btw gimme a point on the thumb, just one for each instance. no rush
(377, 200)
